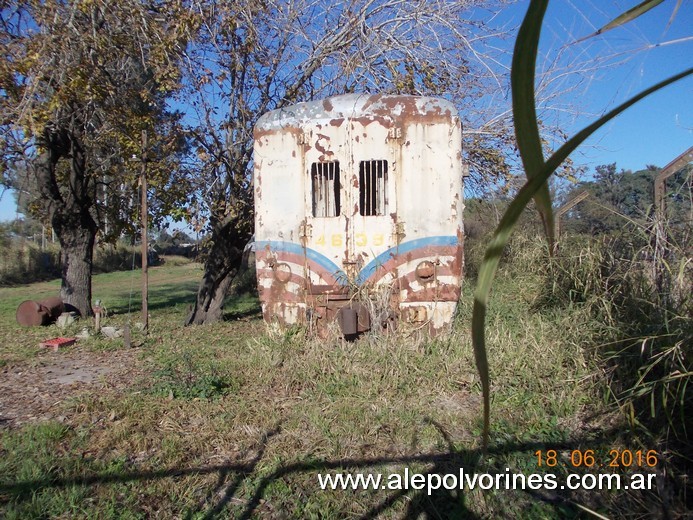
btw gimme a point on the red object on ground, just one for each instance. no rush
(56, 343)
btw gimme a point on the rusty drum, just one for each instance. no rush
(32, 313)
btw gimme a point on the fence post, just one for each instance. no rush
(659, 230)
(562, 211)
(145, 246)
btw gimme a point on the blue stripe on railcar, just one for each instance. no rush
(370, 268)
(402, 249)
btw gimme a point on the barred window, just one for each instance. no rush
(373, 187)
(325, 182)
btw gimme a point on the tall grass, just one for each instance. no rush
(166, 438)
(645, 339)
(27, 262)
(537, 168)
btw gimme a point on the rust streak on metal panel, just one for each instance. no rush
(260, 133)
(331, 290)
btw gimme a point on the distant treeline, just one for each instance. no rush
(31, 253)
(617, 199)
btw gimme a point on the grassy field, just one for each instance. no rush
(227, 420)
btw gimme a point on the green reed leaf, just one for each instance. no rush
(524, 107)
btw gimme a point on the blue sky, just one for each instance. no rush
(653, 132)
(660, 127)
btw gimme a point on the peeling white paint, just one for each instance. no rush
(366, 188)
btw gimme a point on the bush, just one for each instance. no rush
(25, 262)
(642, 303)
(192, 375)
(109, 258)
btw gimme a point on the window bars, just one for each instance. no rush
(373, 187)
(326, 186)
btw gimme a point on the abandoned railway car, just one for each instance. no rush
(358, 212)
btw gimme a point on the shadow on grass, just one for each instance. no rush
(227, 497)
(254, 312)
(160, 297)
(183, 294)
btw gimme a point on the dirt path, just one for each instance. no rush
(35, 390)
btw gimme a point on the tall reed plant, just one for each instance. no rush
(24, 262)
(645, 335)
(537, 168)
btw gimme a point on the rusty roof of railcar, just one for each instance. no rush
(352, 106)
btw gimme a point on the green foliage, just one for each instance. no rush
(296, 405)
(26, 262)
(625, 198)
(526, 122)
(645, 338)
(481, 216)
(38, 455)
(21, 227)
(82, 84)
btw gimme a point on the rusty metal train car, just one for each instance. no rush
(358, 200)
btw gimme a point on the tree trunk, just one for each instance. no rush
(77, 236)
(221, 266)
(69, 213)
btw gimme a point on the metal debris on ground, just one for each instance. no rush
(32, 313)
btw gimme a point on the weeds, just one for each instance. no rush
(645, 325)
(538, 169)
(192, 375)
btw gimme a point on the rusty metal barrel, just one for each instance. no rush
(32, 313)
